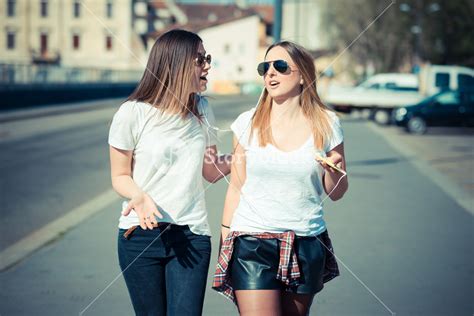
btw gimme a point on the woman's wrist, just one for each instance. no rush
(227, 161)
(138, 194)
(225, 226)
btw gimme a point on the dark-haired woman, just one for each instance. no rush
(276, 253)
(161, 145)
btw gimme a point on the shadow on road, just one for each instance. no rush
(372, 162)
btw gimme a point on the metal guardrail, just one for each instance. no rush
(11, 74)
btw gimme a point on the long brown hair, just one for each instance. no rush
(312, 106)
(167, 81)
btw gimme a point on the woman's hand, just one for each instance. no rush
(145, 208)
(334, 181)
(334, 158)
(224, 233)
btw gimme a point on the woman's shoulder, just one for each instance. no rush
(333, 115)
(136, 109)
(134, 106)
(247, 115)
(242, 122)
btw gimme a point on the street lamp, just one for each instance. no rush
(418, 13)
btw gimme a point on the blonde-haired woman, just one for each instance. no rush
(158, 141)
(276, 252)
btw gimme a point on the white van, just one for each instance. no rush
(391, 81)
(435, 78)
(382, 91)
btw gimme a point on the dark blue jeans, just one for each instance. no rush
(165, 274)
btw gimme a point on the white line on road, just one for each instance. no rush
(27, 245)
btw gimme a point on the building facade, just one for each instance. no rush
(70, 33)
(235, 57)
(302, 24)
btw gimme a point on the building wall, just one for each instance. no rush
(92, 26)
(19, 25)
(302, 24)
(234, 47)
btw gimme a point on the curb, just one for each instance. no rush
(39, 238)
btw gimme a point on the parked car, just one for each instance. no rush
(382, 94)
(381, 91)
(447, 108)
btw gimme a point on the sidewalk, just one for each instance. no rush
(444, 154)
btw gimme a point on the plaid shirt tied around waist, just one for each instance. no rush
(288, 269)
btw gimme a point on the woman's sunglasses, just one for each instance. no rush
(201, 60)
(280, 65)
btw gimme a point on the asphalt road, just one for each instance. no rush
(404, 245)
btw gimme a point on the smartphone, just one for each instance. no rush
(330, 164)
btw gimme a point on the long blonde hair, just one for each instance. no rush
(312, 106)
(167, 81)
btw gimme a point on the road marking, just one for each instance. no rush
(32, 242)
(446, 184)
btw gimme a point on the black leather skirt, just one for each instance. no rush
(254, 264)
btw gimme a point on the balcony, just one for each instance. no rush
(45, 57)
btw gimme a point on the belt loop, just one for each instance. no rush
(129, 232)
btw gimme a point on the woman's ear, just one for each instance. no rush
(301, 80)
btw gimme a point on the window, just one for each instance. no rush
(374, 86)
(394, 86)
(10, 40)
(108, 42)
(11, 7)
(76, 9)
(391, 86)
(43, 43)
(109, 9)
(465, 82)
(44, 8)
(442, 80)
(76, 42)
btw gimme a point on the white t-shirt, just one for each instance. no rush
(282, 190)
(168, 159)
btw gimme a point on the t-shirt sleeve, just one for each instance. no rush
(242, 126)
(337, 136)
(123, 130)
(209, 123)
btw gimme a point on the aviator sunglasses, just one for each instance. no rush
(201, 60)
(280, 65)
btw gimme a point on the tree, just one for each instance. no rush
(438, 31)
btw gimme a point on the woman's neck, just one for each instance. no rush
(287, 110)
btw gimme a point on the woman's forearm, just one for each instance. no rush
(125, 186)
(330, 180)
(232, 200)
(222, 166)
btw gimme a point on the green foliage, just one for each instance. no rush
(391, 41)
